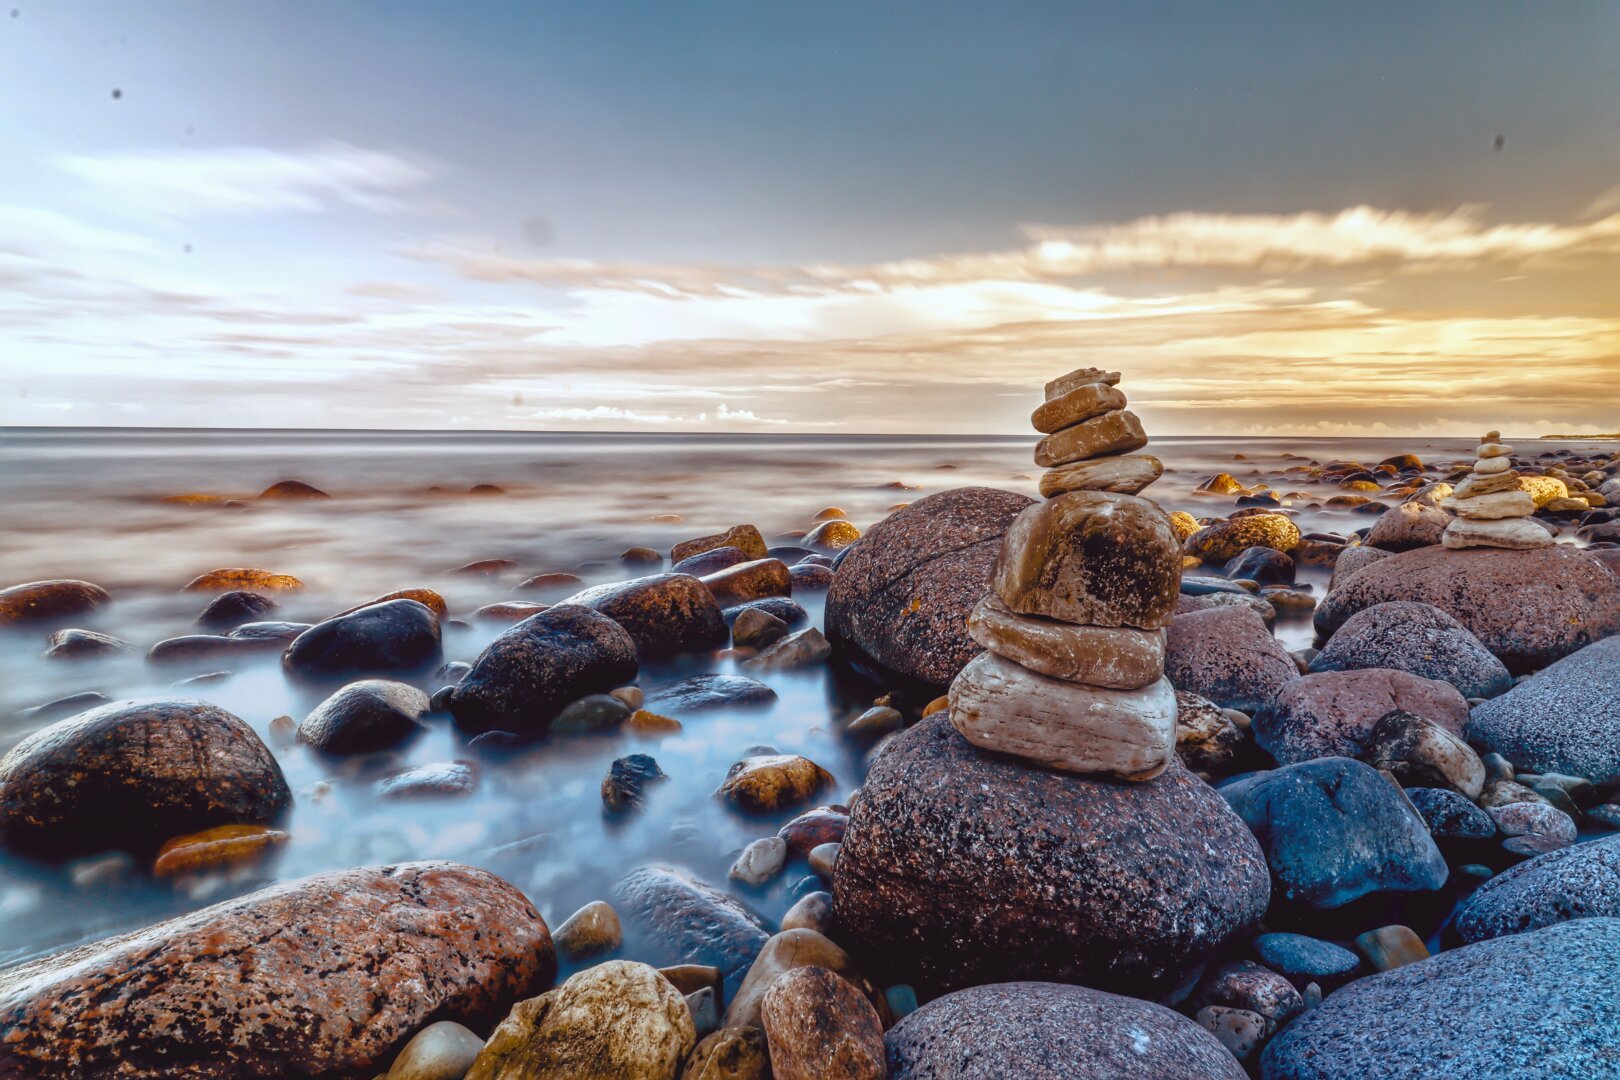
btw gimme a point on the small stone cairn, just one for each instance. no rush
(1491, 509)
(1073, 672)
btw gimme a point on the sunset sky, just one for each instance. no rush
(864, 217)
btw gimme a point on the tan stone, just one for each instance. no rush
(1079, 377)
(1489, 465)
(1498, 504)
(1475, 484)
(217, 848)
(1117, 432)
(749, 581)
(1079, 404)
(1092, 558)
(237, 577)
(615, 1021)
(730, 1054)
(1183, 523)
(773, 782)
(1518, 534)
(1001, 706)
(1543, 489)
(1127, 474)
(594, 928)
(1421, 753)
(1116, 658)
(1492, 449)
(785, 952)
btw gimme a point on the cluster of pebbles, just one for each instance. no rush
(1492, 508)
(1073, 627)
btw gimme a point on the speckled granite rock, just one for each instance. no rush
(1332, 713)
(1540, 1004)
(817, 1025)
(1410, 525)
(1226, 654)
(1450, 816)
(902, 595)
(1223, 540)
(1417, 638)
(1577, 882)
(134, 774)
(960, 867)
(1049, 1031)
(1563, 719)
(327, 976)
(1353, 559)
(675, 919)
(1528, 608)
(1334, 830)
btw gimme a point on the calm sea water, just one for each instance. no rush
(91, 504)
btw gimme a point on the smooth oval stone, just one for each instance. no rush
(709, 562)
(82, 645)
(234, 608)
(1490, 507)
(397, 637)
(1420, 639)
(1306, 959)
(700, 693)
(773, 782)
(745, 538)
(831, 536)
(1001, 706)
(1563, 719)
(1127, 474)
(365, 716)
(676, 919)
(1117, 658)
(1222, 541)
(1227, 654)
(525, 676)
(1082, 403)
(1576, 882)
(41, 601)
(242, 577)
(1117, 432)
(750, 581)
(441, 1051)
(134, 774)
(1093, 558)
(817, 1025)
(665, 614)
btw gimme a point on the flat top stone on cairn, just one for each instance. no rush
(1073, 673)
(1492, 510)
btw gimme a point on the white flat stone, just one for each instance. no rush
(1515, 534)
(1477, 484)
(1488, 465)
(1498, 504)
(1000, 706)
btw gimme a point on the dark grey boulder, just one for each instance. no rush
(525, 676)
(1306, 959)
(231, 609)
(1264, 565)
(1419, 639)
(1577, 882)
(399, 637)
(705, 692)
(1334, 829)
(365, 716)
(1450, 816)
(1050, 1031)
(1539, 1004)
(665, 614)
(672, 918)
(1563, 719)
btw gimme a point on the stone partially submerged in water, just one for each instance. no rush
(400, 637)
(43, 601)
(135, 773)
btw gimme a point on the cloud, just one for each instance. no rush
(250, 180)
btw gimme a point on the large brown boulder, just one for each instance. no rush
(1227, 654)
(665, 614)
(45, 601)
(1048, 1031)
(962, 867)
(1529, 608)
(902, 594)
(134, 774)
(818, 1025)
(1332, 713)
(327, 976)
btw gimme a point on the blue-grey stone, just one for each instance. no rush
(1572, 883)
(1305, 958)
(1563, 719)
(1450, 815)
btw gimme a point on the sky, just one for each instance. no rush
(1358, 219)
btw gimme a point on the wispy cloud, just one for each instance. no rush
(249, 179)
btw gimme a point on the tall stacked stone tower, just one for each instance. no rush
(1073, 673)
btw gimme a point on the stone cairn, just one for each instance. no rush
(1073, 627)
(1491, 509)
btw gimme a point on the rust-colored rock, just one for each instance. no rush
(817, 1025)
(773, 782)
(1117, 432)
(134, 774)
(744, 538)
(327, 976)
(901, 596)
(239, 577)
(750, 581)
(1222, 541)
(428, 598)
(1082, 403)
(221, 846)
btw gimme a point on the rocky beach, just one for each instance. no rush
(1074, 753)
